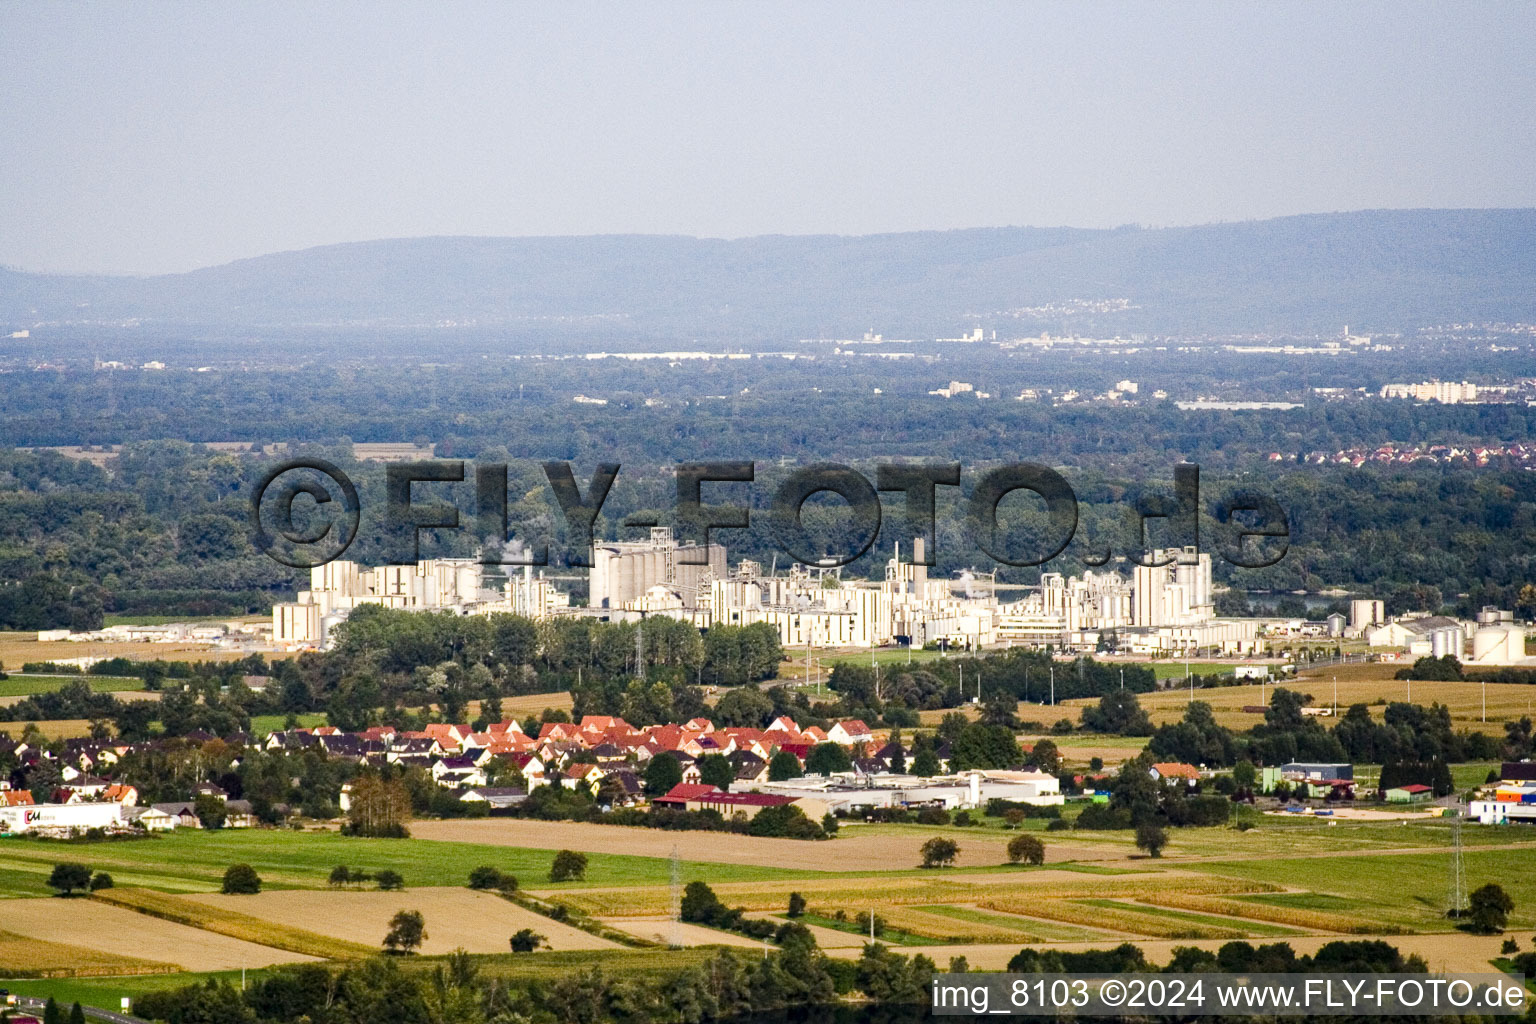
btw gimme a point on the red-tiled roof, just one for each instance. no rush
(688, 791)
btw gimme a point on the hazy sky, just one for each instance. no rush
(145, 137)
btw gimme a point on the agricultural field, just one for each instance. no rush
(19, 648)
(261, 725)
(53, 728)
(1369, 684)
(456, 918)
(857, 848)
(228, 916)
(194, 861)
(21, 956)
(1301, 881)
(119, 932)
(25, 685)
(1407, 891)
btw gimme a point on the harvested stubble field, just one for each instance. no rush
(856, 848)
(943, 928)
(665, 931)
(1252, 908)
(479, 922)
(520, 707)
(1358, 684)
(25, 957)
(20, 648)
(1041, 931)
(226, 919)
(1107, 914)
(860, 893)
(118, 932)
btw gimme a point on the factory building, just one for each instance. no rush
(1162, 609)
(623, 573)
(458, 585)
(853, 793)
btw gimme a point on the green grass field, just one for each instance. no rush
(1170, 669)
(194, 861)
(20, 686)
(263, 724)
(1407, 890)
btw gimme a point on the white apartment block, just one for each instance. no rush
(1446, 392)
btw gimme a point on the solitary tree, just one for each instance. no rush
(783, 766)
(340, 875)
(241, 880)
(68, 877)
(939, 852)
(407, 931)
(1151, 838)
(699, 903)
(390, 880)
(101, 880)
(1488, 908)
(77, 1014)
(796, 905)
(51, 1012)
(568, 865)
(210, 810)
(484, 877)
(526, 940)
(1026, 848)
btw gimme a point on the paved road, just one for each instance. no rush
(37, 1005)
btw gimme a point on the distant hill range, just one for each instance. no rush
(1373, 270)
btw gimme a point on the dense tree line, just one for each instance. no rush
(724, 986)
(1406, 732)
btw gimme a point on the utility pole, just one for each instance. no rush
(1122, 679)
(1335, 697)
(677, 901)
(1485, 700)
(1053, 686)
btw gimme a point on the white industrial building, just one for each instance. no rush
(443, 584)
(1161, 609)
(850, 793)
(816, 608)
(60, 817)
(1495, 639)
(624, 573)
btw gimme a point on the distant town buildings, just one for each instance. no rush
(1446, 392)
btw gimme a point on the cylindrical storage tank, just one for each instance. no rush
(1485, 642)
(1488, 617)
(1439, 647)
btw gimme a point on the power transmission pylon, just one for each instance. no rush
(1458, 879)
